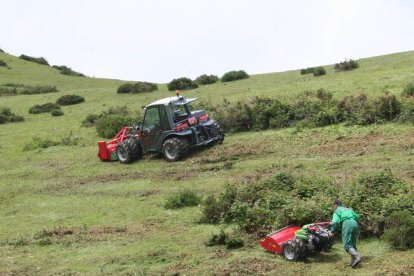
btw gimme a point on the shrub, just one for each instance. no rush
(181, 84)
(408, 90)
(399, 229)
(319, 71)
(223, 238)
(181, 199)
(70, 99)
(234, 75)
(308, 70)
(39, 60)
(107, 126)
(38, 143)
(68, 71)
(43, 108)
(8, 91)
(407, 112)
(7, 116)
(387, 107)
(137, 87)
(346, 65)
(57, 112)
(206, 79)
(2, 63)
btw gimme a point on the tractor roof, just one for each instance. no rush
(180, 100)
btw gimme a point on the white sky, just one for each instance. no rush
(159, 40)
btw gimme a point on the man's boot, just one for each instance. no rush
(352, 260)
(355, 256)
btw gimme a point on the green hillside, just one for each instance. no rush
(63, 211)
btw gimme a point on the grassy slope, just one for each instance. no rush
(116, 210)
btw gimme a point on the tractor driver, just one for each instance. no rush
(350, 230)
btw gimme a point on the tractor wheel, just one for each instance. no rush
(217, 130)
(135, 148)
(295, 250)
(175, 148)
(124, 152)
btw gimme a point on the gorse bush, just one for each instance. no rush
(43, 108)
(259, 206)
(57, 112)
(207, 79)
(308, 70)
(181, 199)
(234, 75)
(319, 71)
(224, 238)
(10, 89)
(137, 87)
(70, 99)
(3, 63)
(67, 71)
(182, 84)
(39, 60)
(7, 116)
(346, 65)
(399, 229)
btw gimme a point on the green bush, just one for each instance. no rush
(308, 70)
(43, 108)
(3, 63)
(70, 99)
(39, 143)
(39, 60)
(408, 90)
(387, 107)
(68, 71)
(7, 116)
(38, 89)
(399, 229)
(234, 75)
(137, 87)
(8, 91)
(181, 199)
(407, 112)
(181, 84)
(207, 79)
(57, 112)
(319, 71)
(109, 125)
(223, 238)
(346, 65)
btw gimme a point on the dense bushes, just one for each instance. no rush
(6, 116)
(207, 79)
(70, 99)
(346, 65)
(3, 63)
(137, 87)
(57, 112)
(308, 70)
(310, 109)
(259, 206)
(40, 60)
(181, 84)
(68, 71)
(43, 108)
(234, 75)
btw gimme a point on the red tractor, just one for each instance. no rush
(169, 127)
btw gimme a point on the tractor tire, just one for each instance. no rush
(295, 250)
(217, 131)
(124, 152)
(175, 148)
(135, 148)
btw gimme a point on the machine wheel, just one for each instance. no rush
(295, 250)
(124, 152)
(175, 148)
(217, 130)
(135, 148)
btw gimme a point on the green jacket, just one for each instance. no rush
(341, 213)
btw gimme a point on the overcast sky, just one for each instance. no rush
(159, 40)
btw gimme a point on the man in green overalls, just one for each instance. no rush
(350, 230)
